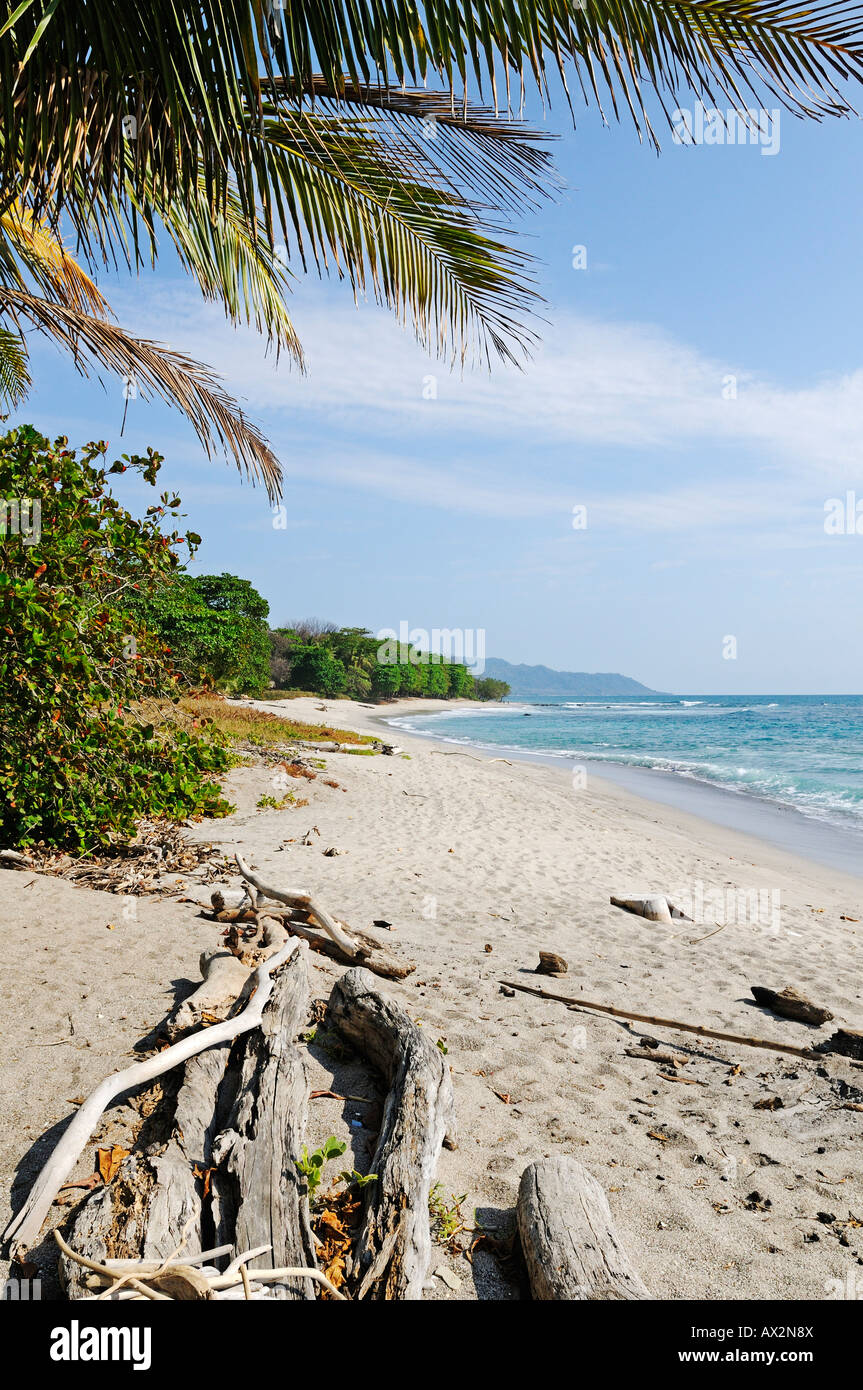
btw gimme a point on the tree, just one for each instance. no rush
(315, 668)
(265, 137)
(85, 747)
(215, 626)
(488, 688)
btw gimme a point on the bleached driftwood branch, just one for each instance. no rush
(305, 903)
(26, 1224)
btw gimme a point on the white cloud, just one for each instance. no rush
(491, 444)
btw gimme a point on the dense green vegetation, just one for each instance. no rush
(85, 749)
(350, 661)
(215, 626)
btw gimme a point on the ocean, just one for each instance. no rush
(800, 752)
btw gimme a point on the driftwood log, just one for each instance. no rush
(227, 1163)
(653, 909)
(26, 1224)
(568, 1239)
(393, 1253)
(303, 916)
(788, 1003)
(258, 1197)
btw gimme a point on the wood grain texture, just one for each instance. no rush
(568, 1238)
(393, 1254)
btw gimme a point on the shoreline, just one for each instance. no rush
(718, 1185)
(783, 828)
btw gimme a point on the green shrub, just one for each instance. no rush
(80, 761)
(316, 668)
(215, 626)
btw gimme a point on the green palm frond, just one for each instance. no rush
(192, 76)
(232, 260)
(182, 382)
(14, 375)
(382, 216)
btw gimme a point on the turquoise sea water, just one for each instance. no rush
(801, 751)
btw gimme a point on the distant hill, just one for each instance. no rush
(542, 680)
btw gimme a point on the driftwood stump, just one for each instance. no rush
(258, 1195)
(568, 1238)
(789, 1003)
(393, 1254)
(224, 1160)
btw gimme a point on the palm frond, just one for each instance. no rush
(14, 374)
(192, 77)
(41, 252)
(189, 385)
(381, 215)
(233, 262)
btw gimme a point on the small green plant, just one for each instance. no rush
(447, 1219)
(265, 803)
(443, 1047)
(311, 1164)
(310, 1036)
(355, 1179)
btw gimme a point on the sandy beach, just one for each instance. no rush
(740, 1180)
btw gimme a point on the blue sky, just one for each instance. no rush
(705, 495)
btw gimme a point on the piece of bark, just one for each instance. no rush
(651, 1054)
(258, 1195)
(393, 1254)
(568, 1238)
(790, 1004)
(551, 964)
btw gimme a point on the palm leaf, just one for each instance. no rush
(14, 376)
(182, 382)
(193, 76)
(384, 217)
(42, 254)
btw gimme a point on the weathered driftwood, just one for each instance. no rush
(393, 1254)
(228, 1161)
(788, 1003)
(25, 1225)
(568, 1237)
(224, 977)
(258, 1196)
(654, 908)
(696, 1028)
(305, 902)
(371, 953)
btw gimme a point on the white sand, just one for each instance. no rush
(457, 852)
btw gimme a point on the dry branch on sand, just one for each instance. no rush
(303, 916)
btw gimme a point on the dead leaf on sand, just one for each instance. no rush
(108, 1161)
